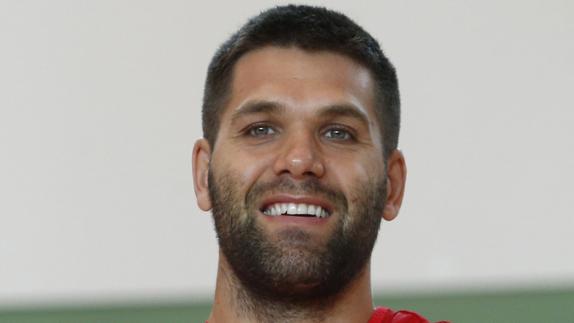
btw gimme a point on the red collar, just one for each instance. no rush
(386, 315)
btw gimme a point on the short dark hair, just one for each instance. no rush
(312, 29)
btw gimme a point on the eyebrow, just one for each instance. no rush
(272, 107)
(344, 110)
(252, 107)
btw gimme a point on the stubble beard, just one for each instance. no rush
(291, 269)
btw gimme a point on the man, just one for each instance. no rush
(298, 165)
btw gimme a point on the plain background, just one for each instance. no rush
(99, 109)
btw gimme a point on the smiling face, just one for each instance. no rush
(297, 176)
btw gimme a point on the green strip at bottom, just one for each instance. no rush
(549, 306)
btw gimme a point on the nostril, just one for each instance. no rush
(309, 173)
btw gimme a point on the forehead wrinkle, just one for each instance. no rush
(258, 106)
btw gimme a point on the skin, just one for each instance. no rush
(299, 114)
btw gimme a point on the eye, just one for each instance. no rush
(261, 131)
(338, 134)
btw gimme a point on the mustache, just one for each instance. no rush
(309, 186)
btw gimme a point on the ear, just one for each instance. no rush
(396, 178)
(200, 162)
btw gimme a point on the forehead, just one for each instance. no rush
(301, 79)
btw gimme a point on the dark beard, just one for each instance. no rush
(287, 268)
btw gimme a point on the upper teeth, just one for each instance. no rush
(295, 208)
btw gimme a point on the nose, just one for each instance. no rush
(300, 157)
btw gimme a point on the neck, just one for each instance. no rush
(233, 303)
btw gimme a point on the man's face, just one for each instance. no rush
(299, 136)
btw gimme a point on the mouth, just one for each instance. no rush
(296, 209)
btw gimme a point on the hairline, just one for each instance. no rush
(222, 104)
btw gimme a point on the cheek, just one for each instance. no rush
(353, 183)
(357, 175)
(247, 168)
(251, 172)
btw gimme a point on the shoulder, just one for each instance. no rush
(386, 315)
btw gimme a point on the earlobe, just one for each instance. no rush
(200, 161)
(396, 179)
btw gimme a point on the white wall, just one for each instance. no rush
(99, 109)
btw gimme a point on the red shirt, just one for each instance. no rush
(386, 315)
